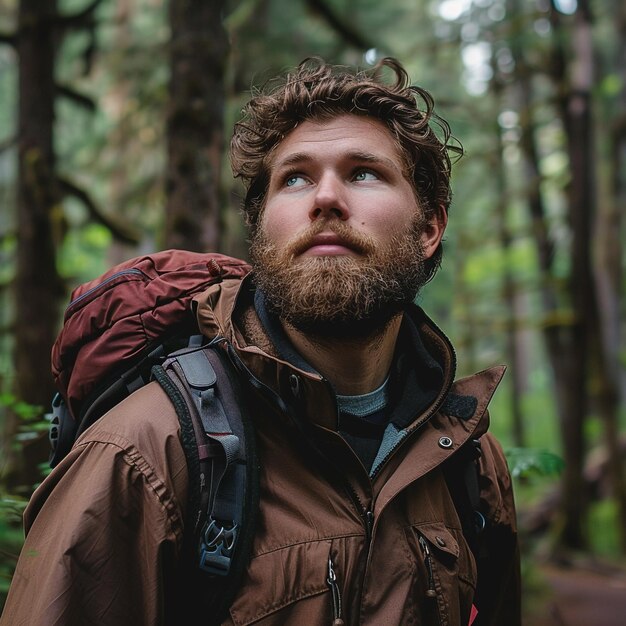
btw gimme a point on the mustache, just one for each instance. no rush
(359, 242)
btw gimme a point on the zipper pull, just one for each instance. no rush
(430, 592)
(369, 523)
(334, 588)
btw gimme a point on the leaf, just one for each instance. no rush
(524, 462)
(7, 399)
(611, 85)
(23, 409)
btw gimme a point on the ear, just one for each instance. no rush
(433, 231)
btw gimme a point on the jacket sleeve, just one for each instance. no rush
(498, 596)
(102, 531)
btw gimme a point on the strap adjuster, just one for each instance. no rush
(216, 547)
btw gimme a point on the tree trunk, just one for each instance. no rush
(466, 342)
(118, 96)
(577, 118)
(554, 328)
(509, 290)
(566, 336)
(615, 222)
(198, 52)
(38, 288)
(608, 280)
(511, 322)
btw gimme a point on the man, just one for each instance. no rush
(347, 202)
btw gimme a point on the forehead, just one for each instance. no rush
(344, 134)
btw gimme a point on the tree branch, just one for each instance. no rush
(122, 232)
(343, 29)
(76, 97)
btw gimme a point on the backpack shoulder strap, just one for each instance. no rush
(219, 445)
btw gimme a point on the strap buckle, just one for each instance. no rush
(216, 547)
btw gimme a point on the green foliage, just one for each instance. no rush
(32, 422)
(612, 85)
(11, 506)
(527, 462)
(7, 250)
(84, 253)
(11, 539)
(24, 410)
(604, 520)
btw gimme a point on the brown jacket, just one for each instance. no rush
(105, 528)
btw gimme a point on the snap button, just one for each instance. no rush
(445, 442)
(440, 542)
(294, 383)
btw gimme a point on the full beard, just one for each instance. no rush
(348, 297)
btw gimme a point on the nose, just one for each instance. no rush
(329, 199)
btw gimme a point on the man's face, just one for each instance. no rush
(341, 240)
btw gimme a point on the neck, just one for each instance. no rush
(353, 366)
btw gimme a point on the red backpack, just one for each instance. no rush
(117, 326)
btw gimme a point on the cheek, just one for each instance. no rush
(395, 220)
(276, 222)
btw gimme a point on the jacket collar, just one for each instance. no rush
(234, 310)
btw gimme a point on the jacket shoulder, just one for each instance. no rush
(145, 429)
(141, 435)
(145, 420)
(105, 526)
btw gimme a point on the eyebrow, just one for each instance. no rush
(299, 158)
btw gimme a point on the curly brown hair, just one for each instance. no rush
(316, 90)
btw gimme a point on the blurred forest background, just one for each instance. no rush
(114, 118)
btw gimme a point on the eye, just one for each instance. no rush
(294, 180)
(365, 175)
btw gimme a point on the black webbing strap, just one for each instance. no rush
(221, 449)
(218, 437)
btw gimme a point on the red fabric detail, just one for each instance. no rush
(473, 615)
(111, 319)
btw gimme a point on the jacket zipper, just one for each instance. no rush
(431, 592)
(433, 409)
(367, 516)
(369, 523)
(331, 580)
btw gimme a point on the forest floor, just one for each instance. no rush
(579, 594)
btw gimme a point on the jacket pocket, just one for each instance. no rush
(445, 574)
(286, 586)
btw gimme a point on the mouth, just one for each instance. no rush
(328, 244)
